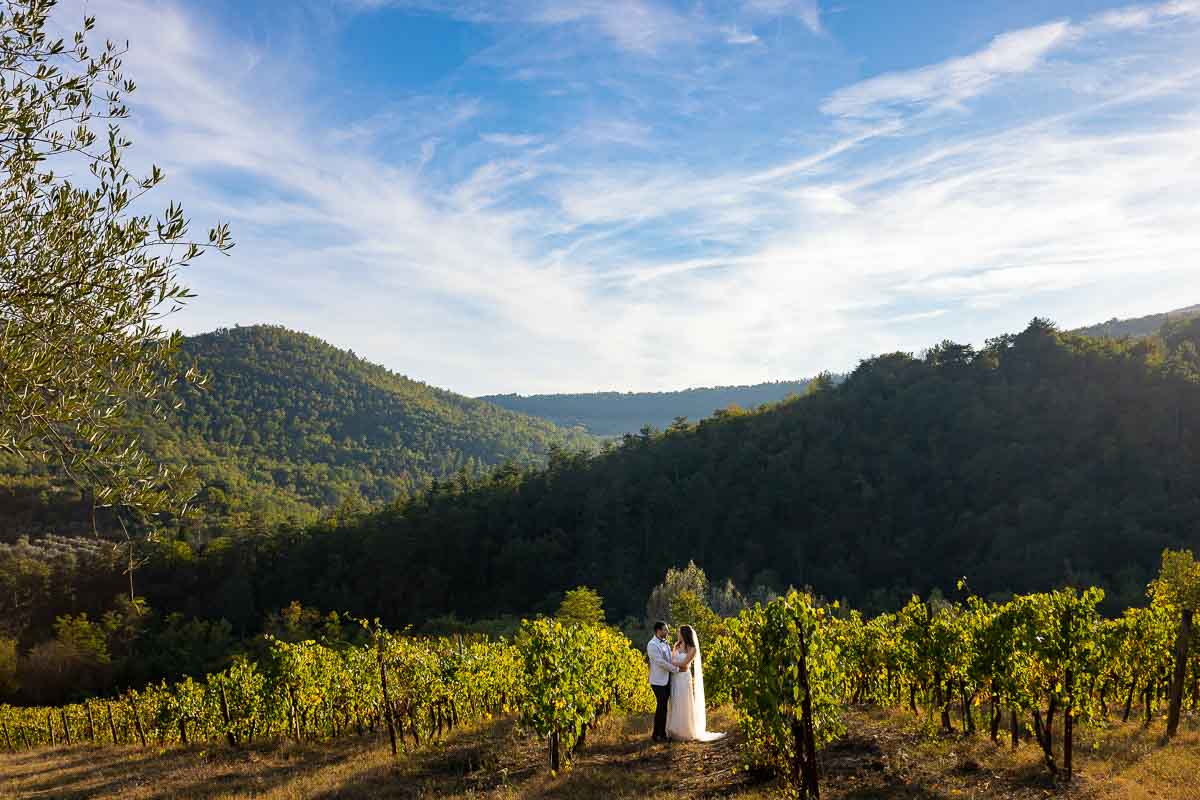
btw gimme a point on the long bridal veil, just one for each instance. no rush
(699, 714)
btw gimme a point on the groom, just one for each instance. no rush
(659, 653)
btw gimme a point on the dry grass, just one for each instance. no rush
(883, 755)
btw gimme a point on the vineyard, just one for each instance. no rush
(1032, 667)
(791, 666)
(415, 689)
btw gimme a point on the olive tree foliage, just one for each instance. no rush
(85, 281)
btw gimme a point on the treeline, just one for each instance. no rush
(70, 628)
(617, 413)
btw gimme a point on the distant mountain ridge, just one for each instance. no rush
(617, 413)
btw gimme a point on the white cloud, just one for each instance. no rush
(950, 83)
(807, 11)
(1143, 17)
(410, 118)
(636, 25)
(510, 139)
(517, 261)
(639, 26)
(735, 35)
(616, 131)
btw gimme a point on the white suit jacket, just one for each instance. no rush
(659, 653)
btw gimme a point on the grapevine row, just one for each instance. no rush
(561, 679)
(790, 667)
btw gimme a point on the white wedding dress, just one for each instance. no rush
(686, 716)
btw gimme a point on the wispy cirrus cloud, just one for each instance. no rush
(510, 139)
(641, 26)
(807, 11)
(644, 27)
(664, 216)
(1144, 17)
(735, 35)
(950, 83)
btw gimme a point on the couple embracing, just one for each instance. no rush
(677, 678)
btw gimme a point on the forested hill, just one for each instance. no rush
(290, 426)
(1139, 326)
(1042, 459)
(616, 413)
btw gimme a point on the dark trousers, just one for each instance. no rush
(661, 695)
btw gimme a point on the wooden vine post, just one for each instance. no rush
(137, 721)
(555, 752)
(1069, 644)
(293, 713)
(805, 764)
(1178, 586)
(229, 734)
(112, 725)
(387, 700)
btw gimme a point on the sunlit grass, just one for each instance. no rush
(885, 754)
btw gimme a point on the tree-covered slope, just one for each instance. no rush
(616, 413)
(1138, 327)
(1044, 458)
(290, 426)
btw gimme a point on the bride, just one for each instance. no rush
(686, 718)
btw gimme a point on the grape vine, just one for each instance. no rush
(1042, 663)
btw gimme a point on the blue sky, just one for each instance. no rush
(573, 195)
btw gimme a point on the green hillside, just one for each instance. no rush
(290, 426)
(1044, 458)
(1138, 327)
(617, 413)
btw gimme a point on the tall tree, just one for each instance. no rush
(85, 279)
(583, 606)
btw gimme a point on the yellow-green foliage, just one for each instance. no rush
(582, 605)
(780, 666)
(574, 675)
(311, 691)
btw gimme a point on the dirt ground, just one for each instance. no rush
(883, 755)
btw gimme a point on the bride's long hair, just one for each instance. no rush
(692, 639)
